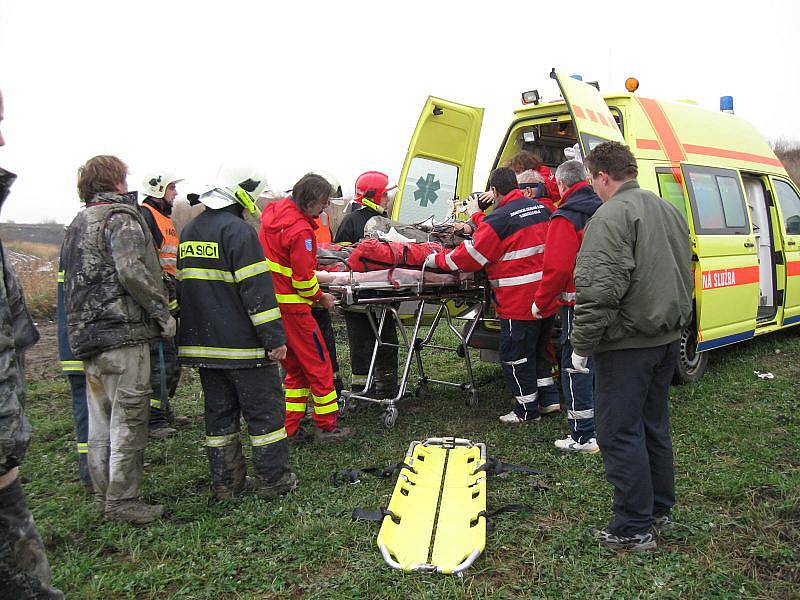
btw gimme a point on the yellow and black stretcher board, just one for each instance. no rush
(436, 518)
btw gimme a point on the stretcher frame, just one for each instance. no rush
(380, 300)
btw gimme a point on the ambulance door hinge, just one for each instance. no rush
(779, 298)
(777, 257)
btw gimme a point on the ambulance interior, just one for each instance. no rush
(762, 230)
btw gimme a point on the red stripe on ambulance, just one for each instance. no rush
(793, 268)
(729, 277)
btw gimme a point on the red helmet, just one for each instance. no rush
(370, 187)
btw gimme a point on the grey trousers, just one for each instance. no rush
(118, 394)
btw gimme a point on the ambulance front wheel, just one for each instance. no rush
(390, 417)
(691, 363)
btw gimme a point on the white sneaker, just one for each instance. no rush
(570, 445)
(513, 419)
(550, 408)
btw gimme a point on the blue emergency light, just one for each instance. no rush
(726, 104)
(578, 77)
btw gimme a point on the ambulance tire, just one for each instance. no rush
(691, 364)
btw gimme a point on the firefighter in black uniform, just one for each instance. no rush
(231, 329)
(371, 193)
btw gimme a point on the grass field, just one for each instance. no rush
(737, 444)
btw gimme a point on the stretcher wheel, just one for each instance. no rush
(390, 417)
(344, 406)
(421, 391)
(472, 399)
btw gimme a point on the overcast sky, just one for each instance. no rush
(293, 86)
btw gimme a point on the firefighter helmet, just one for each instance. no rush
(155, 184)
(370, 188)
(236, 184)
(336, 196)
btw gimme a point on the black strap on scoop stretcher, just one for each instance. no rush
(377, 516)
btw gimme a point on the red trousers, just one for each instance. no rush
(308, 373)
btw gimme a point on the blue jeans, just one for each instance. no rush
(523, 358)
(578, 387)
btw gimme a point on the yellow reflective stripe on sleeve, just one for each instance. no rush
(268, 438)
(326, 398)
(251, 270)
(72, 366)
(292, 299)
(297, 392)
(155, 403)
(328, 408)
(302, 284)
(309, 293)
(205, 274)
(296, 407)
(83, 447)
(266, 316)
(211, 352)
(279, 268)
(60, 278)
(173, 305)
(218, 441)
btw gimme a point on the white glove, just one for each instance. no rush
(580, 363)
(168, 328)
(535, 311)
(430, 261)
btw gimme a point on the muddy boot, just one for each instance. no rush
(334, 435)
(83, 473)
(161, 432)
(386, 382)
(181, 421)
(283, 485)
(301, 436)
(132, 511)
(228, 473)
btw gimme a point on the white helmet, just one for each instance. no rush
(155, 185)
(336, 196)
(236, 184)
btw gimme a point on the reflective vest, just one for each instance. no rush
(323, 230)
(168, 252)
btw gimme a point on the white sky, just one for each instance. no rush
(293, 86)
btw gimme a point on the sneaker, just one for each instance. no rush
(570, 445)
(637, 542)
(132, 511)
(334, 435)
(163, 432)
(512, 419)
(550, 409)
(287, 482)
(663, 523)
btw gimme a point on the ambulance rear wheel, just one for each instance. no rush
(691, 363)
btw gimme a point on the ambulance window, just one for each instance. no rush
(717, 201)
(790, 206)
(671, 191)
(430, 186)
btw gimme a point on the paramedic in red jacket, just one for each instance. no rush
(557, 292)
(528, 161)
(509, 245)
(287, 236)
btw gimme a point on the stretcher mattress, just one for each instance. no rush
(387, 278)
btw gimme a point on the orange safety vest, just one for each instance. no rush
(323, 230)
(168, 252)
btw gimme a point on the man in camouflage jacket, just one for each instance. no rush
(24, 570)
(116, 305)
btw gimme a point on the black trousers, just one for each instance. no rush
(160, 409)
(362, 342)
(633, 432)
(257, 395)
(323, 318)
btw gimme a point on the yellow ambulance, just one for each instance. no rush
(742, 208)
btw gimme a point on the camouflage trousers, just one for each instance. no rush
(24, 570)
(118, 394)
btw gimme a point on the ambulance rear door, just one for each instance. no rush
(440, 161)
(727, 267)
(788, 202)
(593, 121)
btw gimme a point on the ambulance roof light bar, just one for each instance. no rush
(726, 104)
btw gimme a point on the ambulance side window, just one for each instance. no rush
(717, 201)
(671, 190)
(429, 188)
(790, 206)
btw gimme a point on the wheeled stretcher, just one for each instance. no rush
(416, 299)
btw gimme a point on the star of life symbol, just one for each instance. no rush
(426, 190)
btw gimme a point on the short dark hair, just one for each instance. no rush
(613, 158)
(503, 179)
(100, 174)
(310, 189)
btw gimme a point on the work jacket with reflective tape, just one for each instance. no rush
(509, 245)
(164, 235)
(229, 317)
(287, 238)
(69, 364)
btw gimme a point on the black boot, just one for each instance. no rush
(228, 473)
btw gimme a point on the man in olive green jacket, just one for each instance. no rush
(634, 282)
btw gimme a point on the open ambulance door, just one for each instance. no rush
(789, 210)
(593, 121)
(440, 161)
(727, 265)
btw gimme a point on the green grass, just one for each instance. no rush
(737, 444)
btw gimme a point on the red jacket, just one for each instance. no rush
(564, 237)
(287, 237)
(509, 244)
(550, 183)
